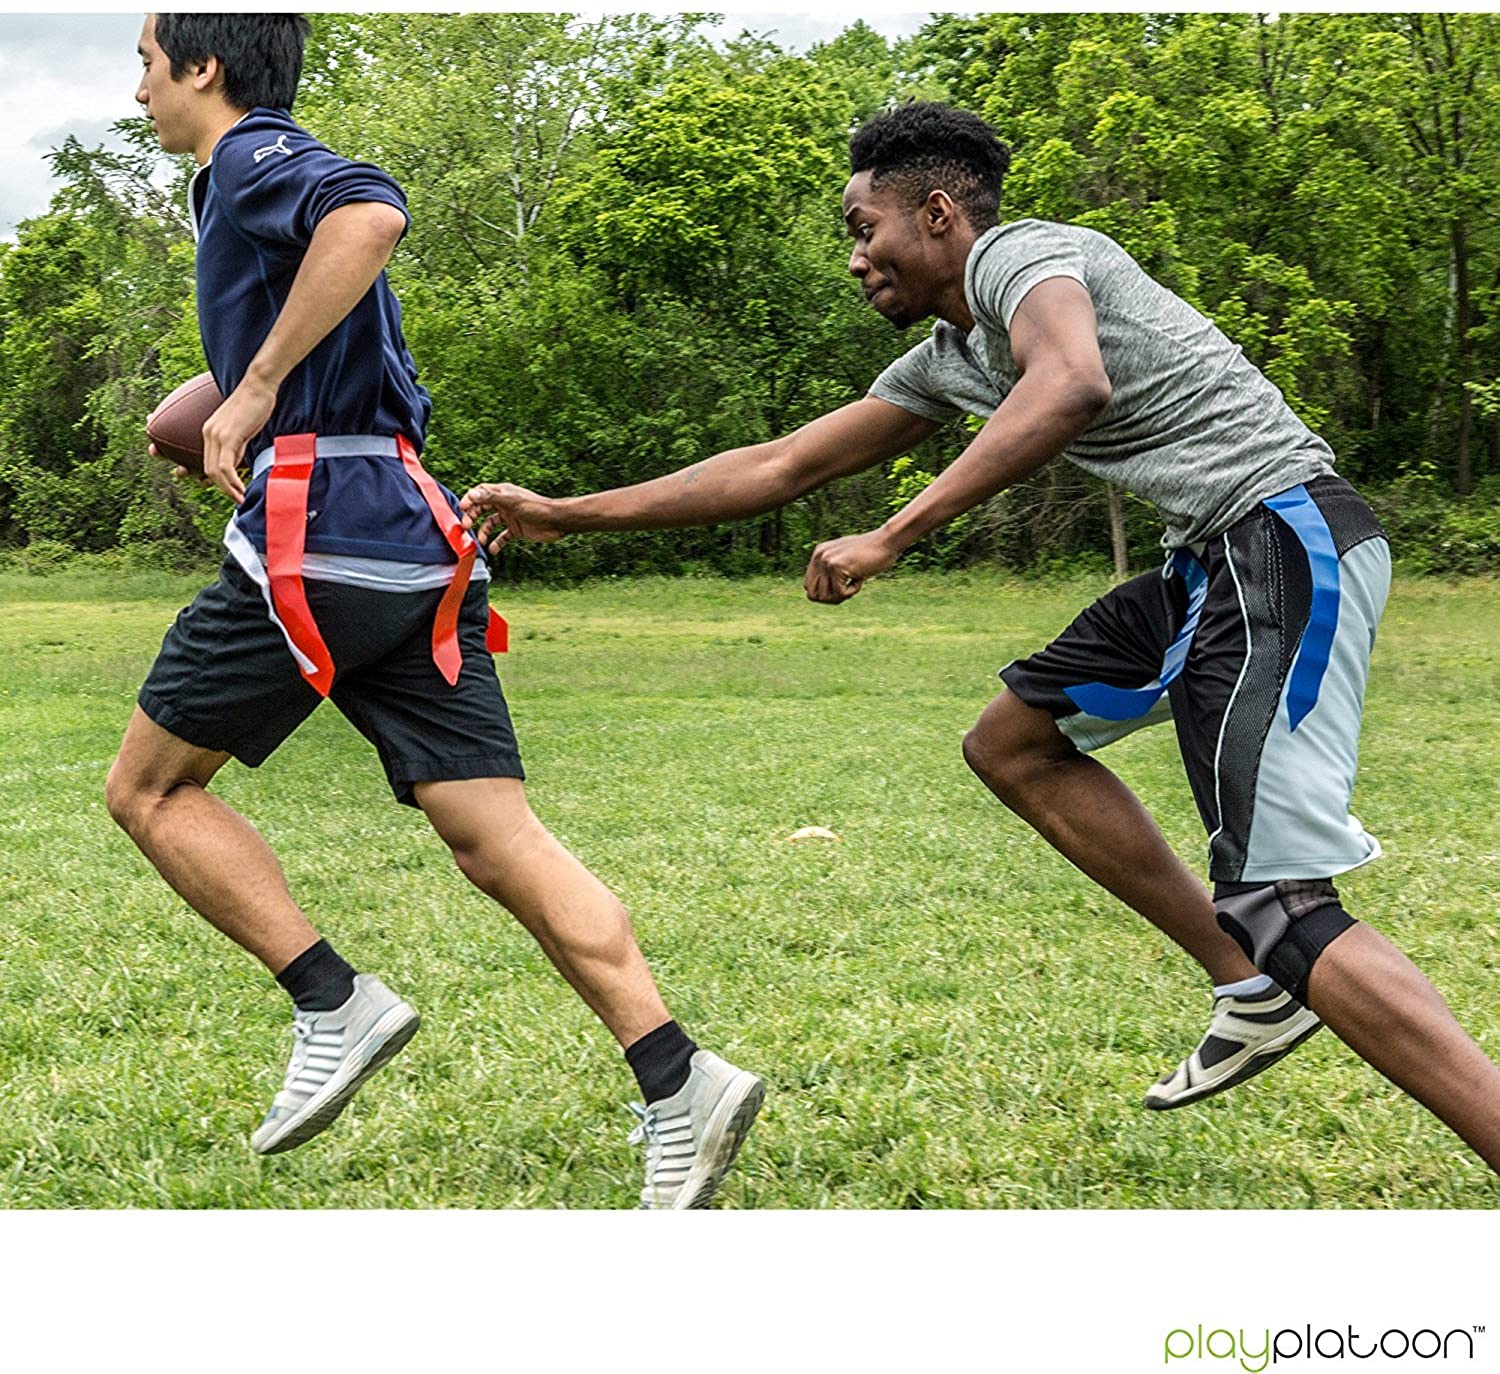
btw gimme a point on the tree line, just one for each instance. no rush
(626, 254)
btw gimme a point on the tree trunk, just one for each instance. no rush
(1117, 532)
(1041, 513)
(1463, 479)
(771, 536)
(1463, 321)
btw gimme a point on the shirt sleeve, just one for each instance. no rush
(1021, 256)
(279, 189)
(909, 383)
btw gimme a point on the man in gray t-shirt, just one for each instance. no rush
(1190, 425)
(1254, 639)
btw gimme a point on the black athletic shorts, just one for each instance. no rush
(226, 680)
(1261, 639)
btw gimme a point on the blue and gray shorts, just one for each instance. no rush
(1257, 645)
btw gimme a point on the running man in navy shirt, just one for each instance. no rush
(348, 575)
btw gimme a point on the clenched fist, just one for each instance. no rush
(840, 567)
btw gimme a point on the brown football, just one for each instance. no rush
(176, 425)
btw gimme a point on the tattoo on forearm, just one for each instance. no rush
(690, 475)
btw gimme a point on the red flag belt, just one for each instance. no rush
(286, 537)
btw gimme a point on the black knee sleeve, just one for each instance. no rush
(1282, 927)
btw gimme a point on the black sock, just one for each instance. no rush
(661, 1060)
(317, 979)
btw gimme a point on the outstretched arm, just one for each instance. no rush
(1062, 389)
(732, 485)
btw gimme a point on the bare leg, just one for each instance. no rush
(582, 927)
(212, 856)
(1099, 825)
(1369, 993)
(1381, 1005)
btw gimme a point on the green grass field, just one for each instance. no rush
(946, 1013)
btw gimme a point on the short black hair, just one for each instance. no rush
(924, 146)
(259, 54)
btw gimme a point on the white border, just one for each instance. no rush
(725, 1291)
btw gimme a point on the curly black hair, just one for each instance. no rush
(925, 146)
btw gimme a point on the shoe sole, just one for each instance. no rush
(1259, 1064)
(728, 1125)
(380, 1045)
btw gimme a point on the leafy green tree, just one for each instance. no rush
(481, 117)
(1260, 166)
(626, 254)
(1442, 77)
(49, 318)
(97, 326)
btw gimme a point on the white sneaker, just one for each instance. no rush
(1246, 1036)
(692, 1137)
(335, 1052)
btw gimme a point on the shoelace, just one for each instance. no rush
(645, 1134)
(300, 1031)
(645, 1129)
(669, 1145)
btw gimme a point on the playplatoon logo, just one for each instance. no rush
(1254, 1351)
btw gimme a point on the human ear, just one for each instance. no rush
(205, 73)
(939, 212)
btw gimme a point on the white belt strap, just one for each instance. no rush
(243, 552)
(336, 446)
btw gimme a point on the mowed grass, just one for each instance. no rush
(946, 1013)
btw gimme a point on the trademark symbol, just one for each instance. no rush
(1479, 1330)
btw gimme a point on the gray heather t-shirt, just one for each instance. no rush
(1191, 426)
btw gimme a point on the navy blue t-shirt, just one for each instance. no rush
(256, 205)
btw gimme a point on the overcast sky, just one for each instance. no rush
(60, 74)
(64, 74)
